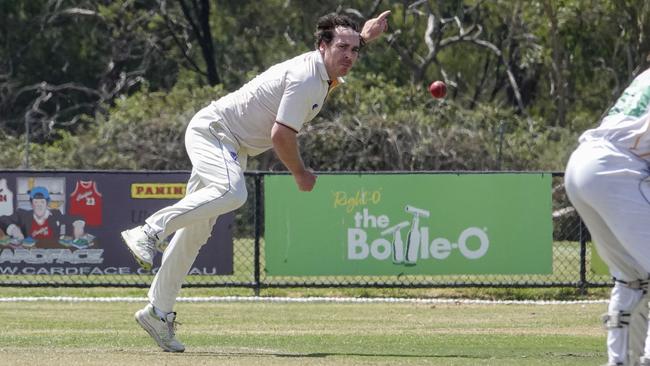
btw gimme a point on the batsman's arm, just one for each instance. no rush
(285, 144)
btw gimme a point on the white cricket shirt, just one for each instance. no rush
(291, 92)
(627, 124)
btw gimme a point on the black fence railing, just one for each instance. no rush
(572, 257)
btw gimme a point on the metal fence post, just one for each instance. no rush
(582, 285)
(257, 217)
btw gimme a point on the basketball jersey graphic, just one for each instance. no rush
(6, 199)
(86, 202)
(41, 231)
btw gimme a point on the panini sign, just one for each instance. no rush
(158, 190)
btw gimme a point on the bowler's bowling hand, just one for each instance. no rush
(305, 180)
(374, 27)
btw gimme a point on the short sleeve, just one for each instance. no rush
(298, 99)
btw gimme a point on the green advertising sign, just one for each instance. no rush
(597, 265)
(409, 224)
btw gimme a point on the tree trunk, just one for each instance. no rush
(557, 76)
(200, 23)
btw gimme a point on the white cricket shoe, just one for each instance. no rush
(141, 245)
(162, 330)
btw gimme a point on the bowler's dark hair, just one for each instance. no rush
(327, 23)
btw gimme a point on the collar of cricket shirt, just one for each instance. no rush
(320, 64)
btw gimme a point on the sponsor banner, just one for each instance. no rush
(158, 190)
(69, 223)
(409, 224)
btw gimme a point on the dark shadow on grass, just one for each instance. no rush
(324, 355)
(271, 353)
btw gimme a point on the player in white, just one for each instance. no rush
(607, 180)
(266, 113)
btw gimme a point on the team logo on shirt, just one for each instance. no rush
(314, 106)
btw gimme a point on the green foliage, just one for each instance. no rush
(12, 153)
(144, 131)
(376, 125)
(369, 124)
(128, 81)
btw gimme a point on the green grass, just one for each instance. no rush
(243, 333)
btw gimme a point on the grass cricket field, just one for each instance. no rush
(318, 333)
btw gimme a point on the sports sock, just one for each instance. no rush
(159, 312)
(151, 233)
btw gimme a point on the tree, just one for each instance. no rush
(196, 21)
(66, 59)
(541, 71)
(443, 25)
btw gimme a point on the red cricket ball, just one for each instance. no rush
(438, 89)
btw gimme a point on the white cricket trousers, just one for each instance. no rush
(216, 186)
(609, 188)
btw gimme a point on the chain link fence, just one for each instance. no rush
(572, 259)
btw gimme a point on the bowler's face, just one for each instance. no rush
(341, 54)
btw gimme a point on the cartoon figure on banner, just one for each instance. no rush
(23, 228)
